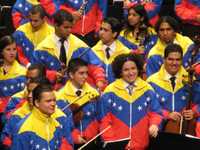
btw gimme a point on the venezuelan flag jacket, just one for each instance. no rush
(155, 56)
(11, 83)
(188, 10)
(20, 11)
(172, 100)
(152, 7)
(129, 116)
(46, 53)
(106, 63)
(37, 131)
(93, 14)
(132, 43)
(87, 127)
(27, 40)
(15, 102)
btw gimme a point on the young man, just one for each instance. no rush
(167, 29)
(170, 84)
(109, 46)
(29, 35)
(40, 129)
(80, 95)
(58, 48)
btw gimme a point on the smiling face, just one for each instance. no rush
(129, 71)
(172, 63)
(9, 53)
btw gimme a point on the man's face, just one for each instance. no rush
(31, 74)
(166, 33)
(79, 77)
(36, 21)
(47, 103)
(173, 63)
(106, 35)
(64, 29)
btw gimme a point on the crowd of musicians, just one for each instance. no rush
(72, 78)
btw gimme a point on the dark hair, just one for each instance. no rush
(41, 88)
(5, 41)
(60, 16)
(119, 61)
(170, 20)
(40, 80)
(75, 64)
(115, 24)
(173, 48)
(139, 9)
(38, 9)
(41, 69)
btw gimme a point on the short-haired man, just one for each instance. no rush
(57, 49)
(109, 46)
(40, 129)
(170, 84)
(80, 95)
(29, 35)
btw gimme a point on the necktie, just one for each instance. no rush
(172, 79)
(78, 93)
(130, 89)
(62, 57)
(107, 52)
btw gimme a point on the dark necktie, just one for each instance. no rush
(78, 93)
(107, 52)
(173, 83)
(62, 57)
(130, 89)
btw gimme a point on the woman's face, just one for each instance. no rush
(9, 53)
(129, 71)
(133, 17)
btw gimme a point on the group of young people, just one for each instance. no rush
(56, 92)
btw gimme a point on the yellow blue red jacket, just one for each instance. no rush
(93, 15)
(131, 42)
(37, 131)
(11, 83)
(172, 100)
(46, 53)
(27, 40)
(152, 8)
(20, 11)
(188, 10)
(87, 127)
(106, 63)
(156, 54)
(129, 116)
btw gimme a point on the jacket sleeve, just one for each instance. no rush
(186, 10)
(105, 117)
(155, 111)
(21, 142)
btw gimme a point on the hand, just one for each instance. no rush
(153, 130)
(81, 140)
(176, 116)
(76, 15)
(101, 85)
(188, 114)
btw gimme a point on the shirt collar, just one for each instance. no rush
(168, 76)
(112, 47)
